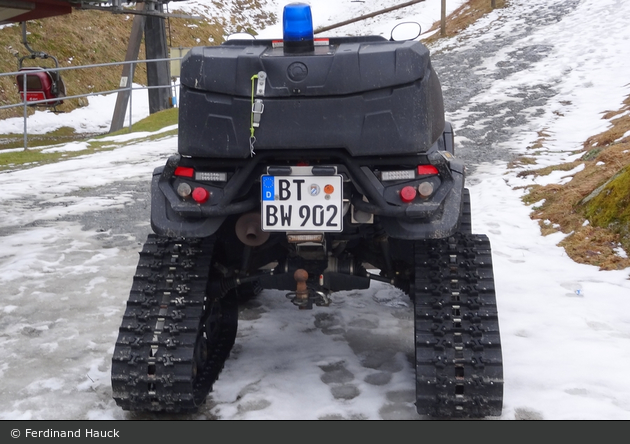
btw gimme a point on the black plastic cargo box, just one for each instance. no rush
(367, 95)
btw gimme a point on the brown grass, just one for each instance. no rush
(462, 17)
(594, 207)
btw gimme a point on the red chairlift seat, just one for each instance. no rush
(41, 85)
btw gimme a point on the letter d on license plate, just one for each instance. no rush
(302, 203)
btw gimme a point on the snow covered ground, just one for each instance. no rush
(69, 250)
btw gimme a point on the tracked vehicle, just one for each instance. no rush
(310, 166)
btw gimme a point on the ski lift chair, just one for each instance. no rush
(41, 83)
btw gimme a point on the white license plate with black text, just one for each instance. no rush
(302, 203)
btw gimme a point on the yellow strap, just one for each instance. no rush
(251, 129)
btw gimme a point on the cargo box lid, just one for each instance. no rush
(337, 66)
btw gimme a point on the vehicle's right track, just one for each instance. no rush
(459, 367)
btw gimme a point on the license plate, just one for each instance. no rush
(302, 203)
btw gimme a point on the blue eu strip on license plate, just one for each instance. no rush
(302, 203)
(268, 188)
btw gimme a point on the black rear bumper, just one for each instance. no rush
(435, 218)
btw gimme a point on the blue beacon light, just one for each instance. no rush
(297, 25)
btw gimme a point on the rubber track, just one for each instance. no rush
(465, 223)
(153, 365)
(459, 369)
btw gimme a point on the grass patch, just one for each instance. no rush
(61, 135)
(462, 17)
(521, 161)
(540, 142)
(33, 157)
(593, 209)
(152, 123)
(550, 169)
(157, 121)
(10, 160)
(610, 207)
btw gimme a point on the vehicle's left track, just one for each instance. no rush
(177, 330)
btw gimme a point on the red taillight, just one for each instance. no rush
(407, 194)
(184, 172)
(200, 195)
(427, 170)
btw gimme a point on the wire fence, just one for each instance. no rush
(126, 86)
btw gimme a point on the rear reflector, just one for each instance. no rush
(200, 195)
(427, 170)
(407, 194)
(184, 172)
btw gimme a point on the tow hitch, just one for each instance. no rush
(303, 296)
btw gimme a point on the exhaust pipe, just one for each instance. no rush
(249, 231)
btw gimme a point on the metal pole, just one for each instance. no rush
(493, 3)
(157, 72)
(133, 65)
(443, 19)
(137, 30)
(25, 111)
